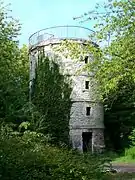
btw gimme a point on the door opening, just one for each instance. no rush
(87, 141)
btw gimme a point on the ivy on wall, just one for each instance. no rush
(51, 96)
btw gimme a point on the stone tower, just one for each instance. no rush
(87, 115)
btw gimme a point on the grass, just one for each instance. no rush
(127, 157)
(124, 159)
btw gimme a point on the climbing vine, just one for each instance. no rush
(52, 98)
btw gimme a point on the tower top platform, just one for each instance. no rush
(59, 33)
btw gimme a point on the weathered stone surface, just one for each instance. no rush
(98, 140)
(76, 139)
(81, 99)
(80, 119)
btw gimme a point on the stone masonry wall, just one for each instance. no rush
(80, 119)
(81, 98)
(98, 140)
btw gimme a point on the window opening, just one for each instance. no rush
(88, 111)
(86, 84)
(86, 59)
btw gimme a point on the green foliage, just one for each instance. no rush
(132, 137)
(116, 72)
(21, 160)
(127, 157)
(26, 128)
(14, 76)
(113, 65)
(116, 69)
(30, 157)
(13, 90)
(130, 153)
(116, 35)
(117, 63)
(51, 97)
(49, 113)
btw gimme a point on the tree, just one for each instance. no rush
(117, 60)
(115, 72)
(14, 73)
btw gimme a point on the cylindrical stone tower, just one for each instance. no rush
(87, 114)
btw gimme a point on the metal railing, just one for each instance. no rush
(59, 32)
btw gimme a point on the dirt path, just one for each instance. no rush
(122, 167)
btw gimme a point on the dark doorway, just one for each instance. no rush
(87, 141)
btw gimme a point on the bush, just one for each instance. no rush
(34, 160)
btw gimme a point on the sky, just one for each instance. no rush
(39, 14)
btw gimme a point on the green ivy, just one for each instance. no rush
(51, 97)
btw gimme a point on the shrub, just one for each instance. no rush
(34, 160)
